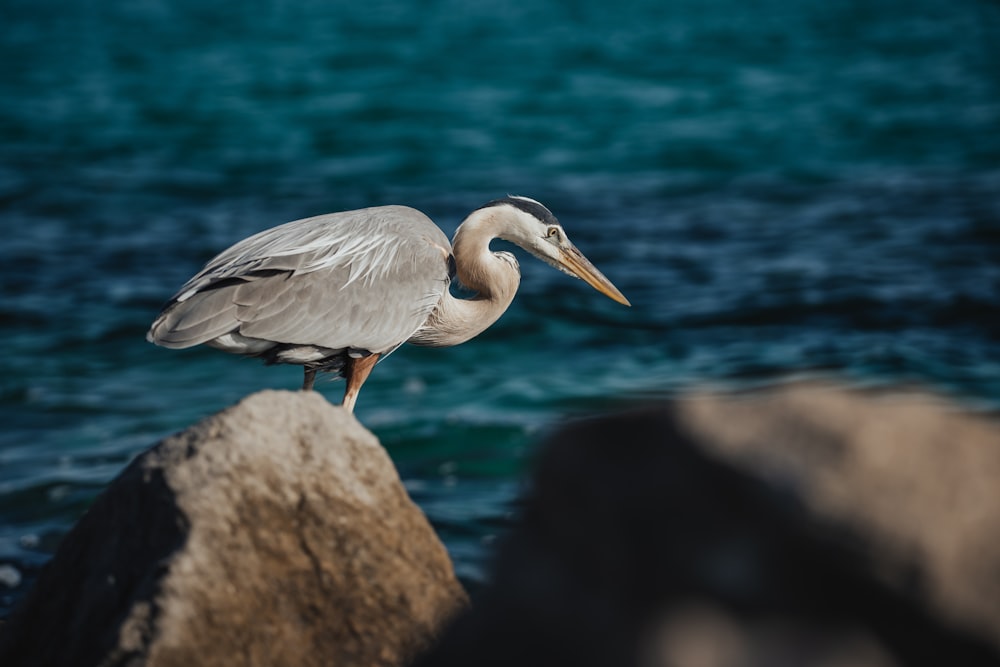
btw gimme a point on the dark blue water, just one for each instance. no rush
(780, 188)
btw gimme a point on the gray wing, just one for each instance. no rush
(362, 279)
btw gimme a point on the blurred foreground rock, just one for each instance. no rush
(913, 476)
(273, 533)
(802, 526)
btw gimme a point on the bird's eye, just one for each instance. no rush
(553, 233)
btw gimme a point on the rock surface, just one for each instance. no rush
(917, 479)
(803, 526)
(276, 532)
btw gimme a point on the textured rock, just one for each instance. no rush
(276, 532)
(731, 531)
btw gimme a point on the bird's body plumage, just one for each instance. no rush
(313, 291)
(329, 291)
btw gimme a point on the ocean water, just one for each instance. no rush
(781, 189)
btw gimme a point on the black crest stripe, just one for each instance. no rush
(528, 206)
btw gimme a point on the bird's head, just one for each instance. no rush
(531, 226)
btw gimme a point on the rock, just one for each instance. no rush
(692, 534)
(917, 479)
(276, 532)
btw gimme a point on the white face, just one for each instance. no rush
(534, 228)
(554, 247)
(547, 242)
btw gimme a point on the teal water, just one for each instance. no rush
(779, 188)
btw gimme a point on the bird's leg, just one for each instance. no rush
(310, 377)
(357, 373)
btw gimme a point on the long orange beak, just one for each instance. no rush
(574, 260)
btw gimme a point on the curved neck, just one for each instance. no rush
(494, 277)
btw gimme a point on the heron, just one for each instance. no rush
(336, 293)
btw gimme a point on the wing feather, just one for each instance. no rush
(359, 279)
(196, 321)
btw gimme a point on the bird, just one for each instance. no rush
(337, 293)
